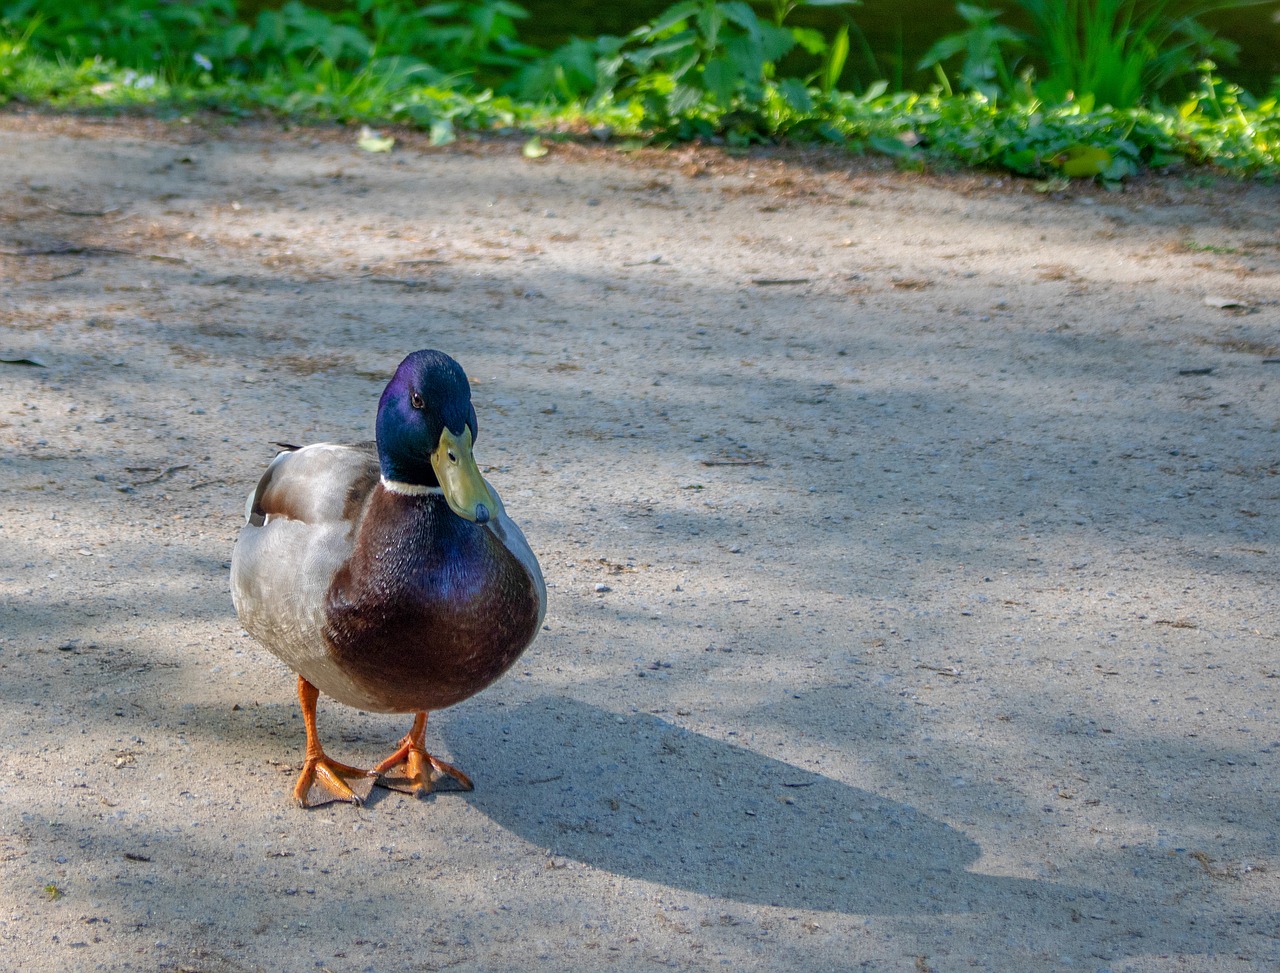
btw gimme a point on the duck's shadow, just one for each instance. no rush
(640, 797)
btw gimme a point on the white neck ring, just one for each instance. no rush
(411, 489)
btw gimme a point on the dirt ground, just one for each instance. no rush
(912, 545)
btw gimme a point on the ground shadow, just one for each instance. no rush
(641, 797)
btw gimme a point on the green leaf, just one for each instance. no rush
(708, 22)
(372, 141)
(830, 132)
(1119, 168)
(889, 145)
(1083, 161)
(688, 64)
(534, 149)
(442, 132)
(743, 52)
(683, 98)
(720, 78)
(813, 41)
(875, 90)
(741, 14)
(679, 43)
(796, 94)
(1024, 160)
(672, 16)
(1054, 184)
(775, 41)
(947, 47)
(513, 10)
(833, 64)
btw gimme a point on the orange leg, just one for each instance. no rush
(420, 769)
(319, 772)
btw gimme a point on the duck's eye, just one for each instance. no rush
(415, 400)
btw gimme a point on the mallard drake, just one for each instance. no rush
(388, 575)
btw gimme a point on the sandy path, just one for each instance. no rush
(913, 547)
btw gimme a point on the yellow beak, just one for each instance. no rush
(464, 488)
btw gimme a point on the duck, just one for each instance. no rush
(388, 576)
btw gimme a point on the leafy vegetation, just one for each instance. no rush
(1097, 52)
(1091, 91)
(700, 67)
(990, 52)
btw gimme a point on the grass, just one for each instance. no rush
(702, 70)
(1193, 246)
(1115, 52)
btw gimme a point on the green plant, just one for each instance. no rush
(701, 69)
(570, 73)
(299, 33)
(1114, 52)
(154, 39)
(1221, 122)
(987, 48)
(696, 60)
(833, 54)
(443, 39)
(193, 39)
(834, 57)
(1096, 52)
(699, 51)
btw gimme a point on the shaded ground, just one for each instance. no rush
(912, 541)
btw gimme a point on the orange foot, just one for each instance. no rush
(323, 780)
(411, 769)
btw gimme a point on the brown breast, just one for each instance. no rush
(430, 608)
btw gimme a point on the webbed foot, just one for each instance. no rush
(411, 769)
(323, 779)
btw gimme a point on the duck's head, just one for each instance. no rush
(426, 428)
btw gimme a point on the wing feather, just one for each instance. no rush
(300, 530)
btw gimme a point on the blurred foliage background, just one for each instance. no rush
(1049, 88)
